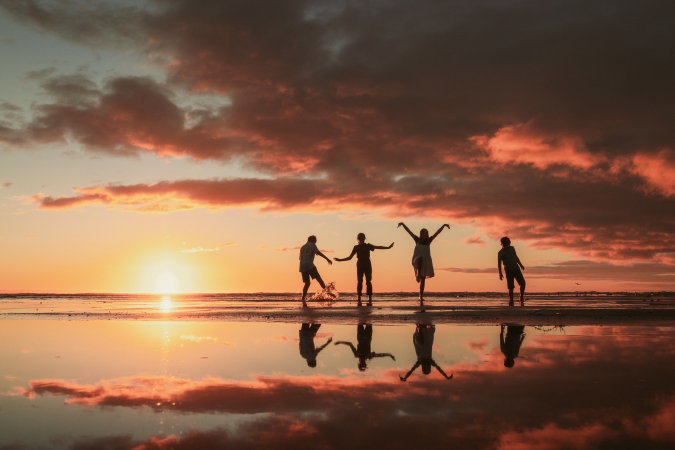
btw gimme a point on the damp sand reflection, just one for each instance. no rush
(122, 384)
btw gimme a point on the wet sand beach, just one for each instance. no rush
(656, 309)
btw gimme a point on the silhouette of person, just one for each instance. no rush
(421, 260)
(364, 337)
(423, 340)
(307, 267)
(508, 256)
(510, 345)
(307, 349)
(363, 266)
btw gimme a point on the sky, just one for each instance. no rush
(207, 140)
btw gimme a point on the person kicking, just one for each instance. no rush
(307, 267)
(507, 255)
(363, 266)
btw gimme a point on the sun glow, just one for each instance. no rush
(166, 283)
(166, 305)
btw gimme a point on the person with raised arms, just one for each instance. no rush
(421, 260)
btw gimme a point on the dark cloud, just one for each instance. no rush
(547, 121)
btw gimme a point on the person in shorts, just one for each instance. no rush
(307, 267)
(508, 256)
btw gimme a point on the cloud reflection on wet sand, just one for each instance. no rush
(564, 392)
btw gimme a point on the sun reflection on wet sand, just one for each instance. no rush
(166, 304)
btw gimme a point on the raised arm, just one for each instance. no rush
(318, 252)
(380, 355)
(438, 232)
(405, 378)
(324, 345)
(408, 230)
(441, 371)
(348, 257)
(350, 345)
(379, 247)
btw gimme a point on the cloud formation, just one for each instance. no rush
(547, 121)
(202, 249)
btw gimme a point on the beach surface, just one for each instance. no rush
(656, 309)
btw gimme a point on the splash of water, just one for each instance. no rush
(326, 297)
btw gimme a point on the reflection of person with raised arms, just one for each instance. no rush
(423, 340)
(510, 345)
(363, 265)
(421, 260)
(307, 267)
(364, 338)
(307, 349)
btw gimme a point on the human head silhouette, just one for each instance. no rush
(509, 362)
(505, 241)
(312, 239)
(312, 363)
(426, 367)
(361, 238)
(424, 233)
(362, 364)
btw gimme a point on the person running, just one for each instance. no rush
(423, 340)
(363, 266)
(510, 346)
(421, 260)
(364, 337)
(307, 348)
(508, 256)
(307, 267)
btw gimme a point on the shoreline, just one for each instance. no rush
(525, 315)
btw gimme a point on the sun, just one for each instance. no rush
(166, 283)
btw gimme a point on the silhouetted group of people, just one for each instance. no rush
(423, 341)
(422, 263)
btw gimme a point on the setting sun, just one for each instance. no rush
(166, 283)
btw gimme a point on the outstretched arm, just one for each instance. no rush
(380, 355)
(324, 345)
(405, 378)
(408, 230)
(325, 257)
(379, 247)
(350, 345)
(441, 371)
(348, 257)
(439, 232)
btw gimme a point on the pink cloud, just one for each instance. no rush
(475, 239)
(523, 144)
(658, 170)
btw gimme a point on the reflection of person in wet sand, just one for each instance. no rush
(510, 345)
(508, 256)
(307, 267)
(364, 337)
(421, 260)
(307, 348)
(363, 266)
(423, 339)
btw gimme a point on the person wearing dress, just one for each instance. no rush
(423, 340)
(421, 260)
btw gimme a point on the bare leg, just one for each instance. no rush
(522, 295)
(305, 288)
(510, 296)
(422, 282)
(321, 283)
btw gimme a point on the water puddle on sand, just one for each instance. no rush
(196, 385)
